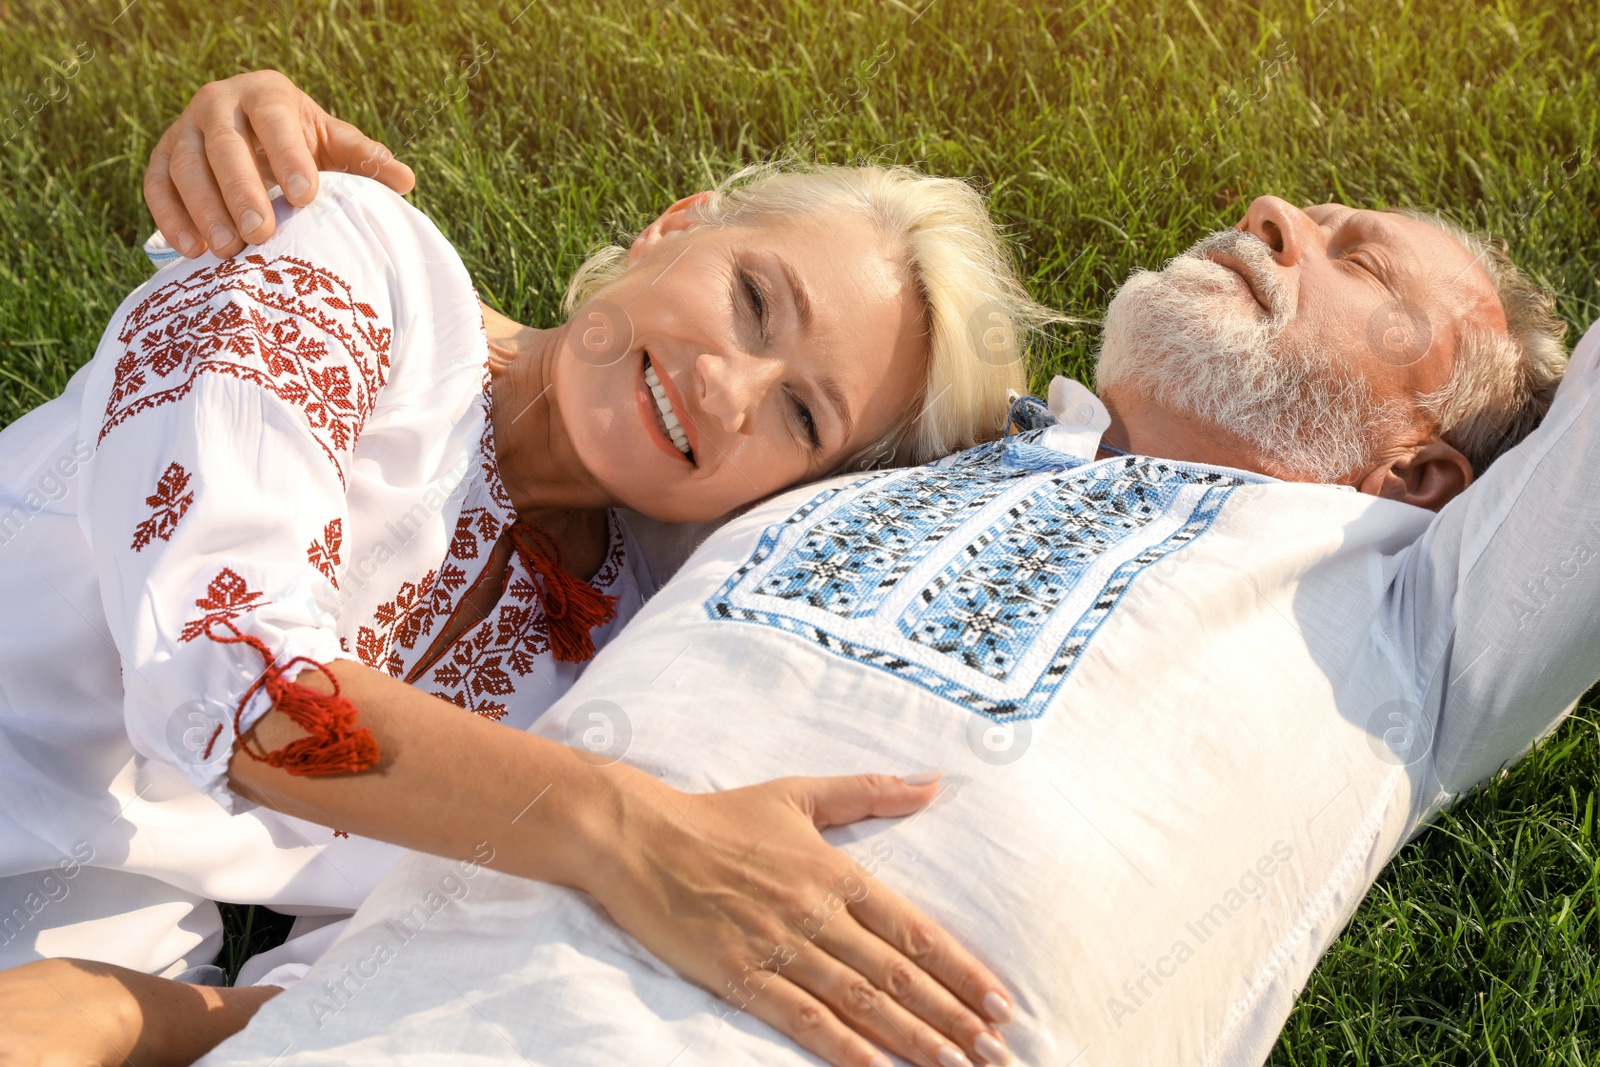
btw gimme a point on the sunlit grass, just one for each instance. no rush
(1109, 136)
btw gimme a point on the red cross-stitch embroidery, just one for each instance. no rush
(288, 326)
(399, 621)
(323, 553)
(488, 458)
(475, 671)
(227, 597)
(398, 624)
(476, 529)
(486, 663)
(168, 504)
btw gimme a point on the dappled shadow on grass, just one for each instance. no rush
(1480, 943)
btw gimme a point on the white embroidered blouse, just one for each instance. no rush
(295, 443)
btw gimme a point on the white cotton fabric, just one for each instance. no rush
(295, 442)
(1154, 862)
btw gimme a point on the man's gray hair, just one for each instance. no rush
(1502, 384)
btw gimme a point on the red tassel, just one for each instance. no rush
(336, 745)
(572, 607)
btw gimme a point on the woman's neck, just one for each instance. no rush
(547, 483)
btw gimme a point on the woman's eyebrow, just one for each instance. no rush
(799, 296)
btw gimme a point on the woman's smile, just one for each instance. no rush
(664, 413)
(730, 385)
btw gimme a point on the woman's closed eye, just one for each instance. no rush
(807, 421)
(755, 299)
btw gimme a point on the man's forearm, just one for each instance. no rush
(88, 1012)
(180, 1023)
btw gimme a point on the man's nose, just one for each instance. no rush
(1281, 226)
(729, 388)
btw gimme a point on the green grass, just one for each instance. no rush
(1108, 136)
(246, 930)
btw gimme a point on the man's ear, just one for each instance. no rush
(680, 216)
(1429, 476)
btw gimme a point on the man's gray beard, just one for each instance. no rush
(1186, 338)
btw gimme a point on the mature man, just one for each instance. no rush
(1198, 656)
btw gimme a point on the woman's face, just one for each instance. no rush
(777, 349)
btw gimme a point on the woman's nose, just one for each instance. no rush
(729, 386)
(1281, 226)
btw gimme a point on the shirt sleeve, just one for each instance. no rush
(1500, 599)
(226, 402)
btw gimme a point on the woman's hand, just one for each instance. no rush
(736, 890)
(739, 892)
(76, 1013)
(208, 176)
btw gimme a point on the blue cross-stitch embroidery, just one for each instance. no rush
(981, 579)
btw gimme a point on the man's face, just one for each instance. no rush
(1305, 333)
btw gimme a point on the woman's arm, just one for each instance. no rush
(715, 884)
(207, 181)
(701, 880)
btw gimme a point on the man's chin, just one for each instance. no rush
(1160, 328)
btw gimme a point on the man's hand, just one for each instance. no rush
(208, 176)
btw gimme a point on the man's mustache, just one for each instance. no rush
(1256, 257)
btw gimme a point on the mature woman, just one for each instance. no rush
(312, 502)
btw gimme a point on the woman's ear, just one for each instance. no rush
(680, 216)
(1429, 476)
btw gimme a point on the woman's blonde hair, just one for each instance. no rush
(977, 314)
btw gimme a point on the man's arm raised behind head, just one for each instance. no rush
(1500, 600)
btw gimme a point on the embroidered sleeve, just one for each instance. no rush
(295, 330)
(226, 401)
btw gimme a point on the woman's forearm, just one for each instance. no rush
(450, 783)
(711, 883)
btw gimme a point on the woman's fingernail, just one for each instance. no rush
(990, 1048)
(186, 243)
(249, 221)
(879, 1060)
(950, 1056)
(297, 186)
(221, 237)
(922, 777)
(997, 1007)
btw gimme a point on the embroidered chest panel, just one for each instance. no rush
(982, 581)
(486, 665)
(285, 325)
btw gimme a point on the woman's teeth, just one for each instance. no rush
(664, 413)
